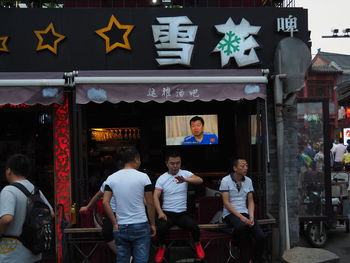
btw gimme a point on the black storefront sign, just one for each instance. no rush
(72, 35)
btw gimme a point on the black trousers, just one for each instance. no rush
(107, 229)
(247, 237)
(182, 220)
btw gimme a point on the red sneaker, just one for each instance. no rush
(200, 251)
(159, 255)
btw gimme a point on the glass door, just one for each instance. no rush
(313, 158)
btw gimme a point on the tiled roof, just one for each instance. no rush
(340, 59)
(325, 69)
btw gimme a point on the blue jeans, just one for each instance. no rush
(133, 239)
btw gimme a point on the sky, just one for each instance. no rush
(325, 15)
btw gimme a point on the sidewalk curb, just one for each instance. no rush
(309, 255)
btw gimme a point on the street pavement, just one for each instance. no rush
(338, 243)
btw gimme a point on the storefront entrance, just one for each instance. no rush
(108, 126)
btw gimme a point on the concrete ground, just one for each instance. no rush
(338, 243)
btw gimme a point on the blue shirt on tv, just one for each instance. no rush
(208, 138)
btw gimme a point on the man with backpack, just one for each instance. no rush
(16, 214)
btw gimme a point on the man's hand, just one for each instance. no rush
(153, 231)
(245, 220)
(251, 221)
(180, 179)
(115, 227)
(162, 216)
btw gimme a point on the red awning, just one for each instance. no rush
(31, 88)
(169, 85)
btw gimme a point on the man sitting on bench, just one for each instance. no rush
(173, 184)
(236, 189)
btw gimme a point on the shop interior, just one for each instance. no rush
(29, 131)
(143, 125)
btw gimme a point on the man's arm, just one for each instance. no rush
(194, 179)
(5, 221)
(150, 211)
(92, 202)
(156, 198)
(107, 196)
(251, 207)
(229, 207)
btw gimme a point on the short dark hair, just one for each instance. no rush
(19, 164)
(127, 154)
(197, 118)
(341, 140)
(233, 162)
(172, 154)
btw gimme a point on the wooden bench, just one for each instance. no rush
(79, 230)
(76, 238)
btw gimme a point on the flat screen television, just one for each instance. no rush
(191, 129)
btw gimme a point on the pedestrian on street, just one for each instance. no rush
(132, 189)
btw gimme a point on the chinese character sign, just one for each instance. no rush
(174, 39)
(287, 24)
(168, 93)
(237, 43)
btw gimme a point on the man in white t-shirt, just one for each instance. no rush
(237, 190)
(132, 189)
(338, 151)
(13, 205)
(173, 185)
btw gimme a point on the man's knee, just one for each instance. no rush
(240, 228)
(162, 227)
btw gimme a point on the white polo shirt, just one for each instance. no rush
(238, 199)
(174, 194)
(128, 187)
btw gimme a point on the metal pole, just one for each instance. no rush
(32, 82)
(171, 79)
(283, 204)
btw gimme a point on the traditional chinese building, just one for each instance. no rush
(78, 83)
(328, 78)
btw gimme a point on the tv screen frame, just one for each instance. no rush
(178, 130)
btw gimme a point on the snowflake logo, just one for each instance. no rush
(227, 44)
(237, 42)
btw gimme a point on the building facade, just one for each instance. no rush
(113, 77)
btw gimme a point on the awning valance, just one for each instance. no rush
(31, 88)
(169, 85)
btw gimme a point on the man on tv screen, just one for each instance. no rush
(198, 135)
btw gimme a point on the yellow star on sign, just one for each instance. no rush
(3, 44)
(39, 34)
(127, 28)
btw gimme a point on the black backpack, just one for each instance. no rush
(38, 228)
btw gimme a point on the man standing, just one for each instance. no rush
(198, 135)
(338, 151)
(236, 189)
(13, 204)
(131, 229)
(173, 184)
